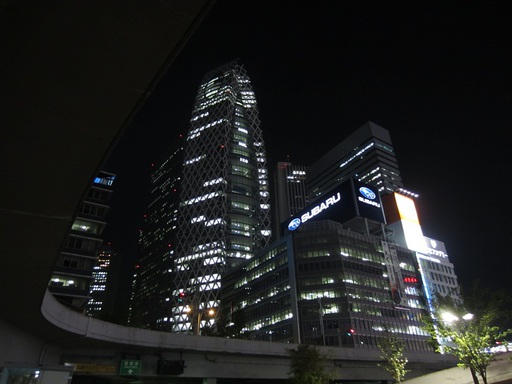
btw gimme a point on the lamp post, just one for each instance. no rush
(321, 316)
(453, 322)
(199, 315)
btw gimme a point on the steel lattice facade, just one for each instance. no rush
(224, 214)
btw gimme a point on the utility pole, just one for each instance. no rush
(321, 316)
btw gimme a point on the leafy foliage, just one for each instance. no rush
(230, 324)
(393, 354)
(307, 366)
(469, 338)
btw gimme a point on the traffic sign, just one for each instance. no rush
(130, 367)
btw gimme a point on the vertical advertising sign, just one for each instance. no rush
(396, 281)
(368, 201)
(410, 223)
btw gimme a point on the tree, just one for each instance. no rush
(231, 324)
(307, 366)
(393, 354)
(468, 332)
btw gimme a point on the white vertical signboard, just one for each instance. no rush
(396, 281)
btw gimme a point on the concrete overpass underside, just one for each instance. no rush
(73, 75)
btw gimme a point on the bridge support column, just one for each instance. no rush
(210, 380)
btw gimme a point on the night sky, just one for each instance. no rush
(436, 74)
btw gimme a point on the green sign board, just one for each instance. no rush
(130, 367)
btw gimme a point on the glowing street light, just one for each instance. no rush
(449, 317)
(209, 312)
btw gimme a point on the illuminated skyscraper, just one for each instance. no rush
(101, 274)
(290, 190)
(153, 284)
(224, 214)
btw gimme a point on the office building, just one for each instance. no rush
(72, 276)
(324, 284)
(150, 305)
(290, 190)
(224, 213)
(367, 155)
(438, 273)
(101, 301)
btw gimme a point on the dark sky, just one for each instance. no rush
(436, 74)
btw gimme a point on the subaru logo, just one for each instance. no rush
(368, 193)
(294, 224)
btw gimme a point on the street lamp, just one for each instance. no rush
(199, 314)
(450, 318)
(451, 321)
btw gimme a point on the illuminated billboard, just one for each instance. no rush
(346, 201)
(405, 224)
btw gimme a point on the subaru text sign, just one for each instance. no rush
(315, 210)
(368, 202)
(341, 204)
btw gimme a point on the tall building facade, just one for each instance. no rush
(367, 155)
(327, 285)
(438, 273)
(151, 303)
(224, 212)
(72, 276)
(290, 190)
(99, 302)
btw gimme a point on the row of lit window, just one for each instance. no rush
(97, 287)
(195, 118)
(379, 311)
(195, 160)
(394, 327)
(269, 293)
(351, 278)
(202, 198)
(362, 294)
(316, 294)
(87, 226)
(270, 267)
(267, 256)
(269, 320)
(208, 103)
(358, 153)
(361, 255)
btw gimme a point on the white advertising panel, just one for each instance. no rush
(410, 224)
